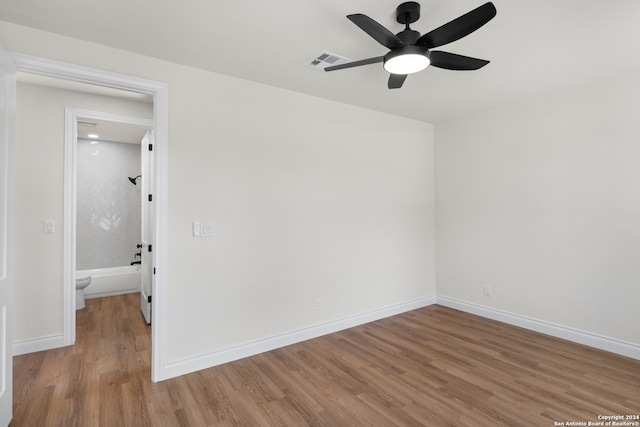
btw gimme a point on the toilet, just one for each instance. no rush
(81, 283)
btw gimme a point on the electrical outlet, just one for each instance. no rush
(486, 290)
(196, 229)
(319, 305)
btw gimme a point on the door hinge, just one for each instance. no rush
(149, 299)
(150, 147)
(150, 198)
(149, 247)
(154, 270)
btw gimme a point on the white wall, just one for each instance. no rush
(309, 199)
(312, 199)
(541, 201)
(38, 167)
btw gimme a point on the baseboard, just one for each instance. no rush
(207, 360)
(582, 337)
(38, 344)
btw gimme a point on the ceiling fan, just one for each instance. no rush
(410, 52)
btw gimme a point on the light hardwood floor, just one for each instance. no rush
(433, 366)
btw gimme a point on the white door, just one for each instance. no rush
(7, 114)
(146, 183)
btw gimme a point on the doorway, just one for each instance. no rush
(109, 204)
(158, 91)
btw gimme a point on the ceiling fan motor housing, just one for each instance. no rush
(409, 36)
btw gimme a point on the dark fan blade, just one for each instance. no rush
(396, 81)
(459, 27)
(355, 63)
(377, 31)
(452, 61)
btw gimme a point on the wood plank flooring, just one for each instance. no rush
(429, 367)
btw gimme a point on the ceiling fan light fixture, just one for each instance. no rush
(407, 60)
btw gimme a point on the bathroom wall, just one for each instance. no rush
(107, 204)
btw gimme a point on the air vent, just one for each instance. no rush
(326, 59)
(87, 124)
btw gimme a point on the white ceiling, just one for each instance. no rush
(535, 47)
(110, 131)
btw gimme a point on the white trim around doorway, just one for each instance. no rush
(72, 115)
(159, 91)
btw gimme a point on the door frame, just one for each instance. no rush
(72, 115)
(159, 91)
(7, 140)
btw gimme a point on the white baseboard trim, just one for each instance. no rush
(38, 344)
(208, 360)
(582, 337)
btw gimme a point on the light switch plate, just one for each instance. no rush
(206, 230)
(49, 226)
